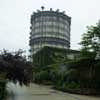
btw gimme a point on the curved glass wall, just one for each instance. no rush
(50, 29)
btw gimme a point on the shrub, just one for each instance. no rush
(3, 92)
(41, 76)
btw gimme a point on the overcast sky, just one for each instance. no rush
(15, 19)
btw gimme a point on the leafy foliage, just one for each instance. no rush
(3, 92)
(49, 55)
(15, 67)
(91, 39)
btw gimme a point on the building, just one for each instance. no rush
(49, 28)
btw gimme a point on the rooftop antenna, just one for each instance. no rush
(63, 12)
(57, 10)
(38, 10)
(42, 7)
(50, 9)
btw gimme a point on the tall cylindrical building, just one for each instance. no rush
(49, 28)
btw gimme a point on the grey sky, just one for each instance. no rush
(15, 19)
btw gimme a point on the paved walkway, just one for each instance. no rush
(38, 92)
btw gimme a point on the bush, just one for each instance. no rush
(41, 76)
(3, 92)
(72, 85)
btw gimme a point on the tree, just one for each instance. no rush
(91, 56)
(15, 67)
(91, 40)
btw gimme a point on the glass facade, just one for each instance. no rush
(49, 28)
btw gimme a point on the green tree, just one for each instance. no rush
(15, 67)
(90, 55)
(91, 40)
